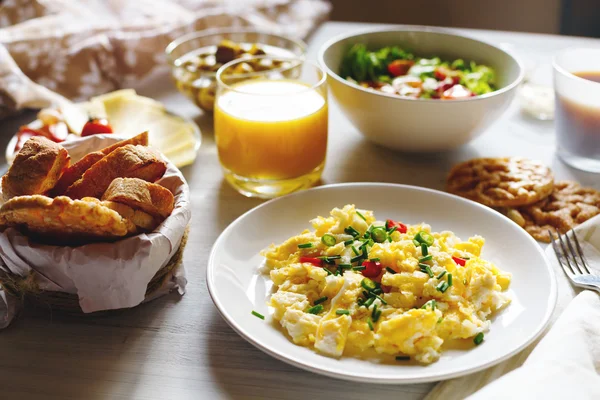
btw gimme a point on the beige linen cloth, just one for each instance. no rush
(565, 363)
(81, 48)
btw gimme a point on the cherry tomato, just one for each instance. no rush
(457, 92)
(95, 126)
(459, 261)
(399, 67)
(317, 262)
(441, 73)
(372, 268)
(400, 227)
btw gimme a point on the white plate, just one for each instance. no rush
(237, 287)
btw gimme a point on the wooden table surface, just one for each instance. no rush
(180, 348)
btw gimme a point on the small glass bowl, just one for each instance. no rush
(200, 85)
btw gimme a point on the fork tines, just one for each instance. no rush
(570, 257)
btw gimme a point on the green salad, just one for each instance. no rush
(397, 71)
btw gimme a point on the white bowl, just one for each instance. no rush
(421, 125)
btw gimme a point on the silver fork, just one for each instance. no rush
(571, 259)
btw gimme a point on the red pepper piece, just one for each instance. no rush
(95, 126)
(400, 227)
(459, 261)
(399, 67)
(317, 262)
(372, 268)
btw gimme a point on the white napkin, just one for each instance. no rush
(565, 363)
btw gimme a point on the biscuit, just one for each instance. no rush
(501, 182)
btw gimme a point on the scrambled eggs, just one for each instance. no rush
(358, 285)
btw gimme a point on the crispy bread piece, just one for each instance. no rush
(143, 221)
(36, 168)
(76, 171)
(139, 194)
(62, 220)
(127, 161)
(501, 182)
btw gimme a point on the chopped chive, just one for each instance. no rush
(394, 229)
(351, 231)
(258, 315)
(345, 265)
(305, 246)
(374, 259)
(376, 316)
(360, 215)
(424, 250)
(402, 358)
(381, 299)
(416, 242)
(369, 301)
(391, 271)
(442, 287)
(478, 338)
(389, 239)
(315, 309)
(365, 293)
(449, 280)
(320, 300)
(357, 258)
(370, 323)
(374, 313)
(329, 257)
(328, 240)
(355, 251)
(441, 275)
(466, 258)
(379, 235)
(377, 291)
(348, 242)
(360, 301)
(342, 312)
(429, 271)
(368, 284)
(328, 271)
(358, 268)
(425, 258)
(440, 319)
(431, 303)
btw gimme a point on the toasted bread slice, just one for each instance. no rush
(127, 161)
(143, 221)
(136, 193)
(76, 171)
(36, 168)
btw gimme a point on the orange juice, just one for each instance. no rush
(271, 129)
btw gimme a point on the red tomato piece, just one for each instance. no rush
(400, 227)
(441, 73)
(372, 268)
(317, 262)
(58, 131)
(457, 92)
(399, 67)
(96, 126)
(459, 261)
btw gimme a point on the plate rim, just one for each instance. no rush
(542, 327)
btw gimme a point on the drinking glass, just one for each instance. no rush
(577, 115)
(271, 126)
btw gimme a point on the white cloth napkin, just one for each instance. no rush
(565, 363)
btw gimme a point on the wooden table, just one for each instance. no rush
(180, 348)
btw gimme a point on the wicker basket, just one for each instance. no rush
(26, 288)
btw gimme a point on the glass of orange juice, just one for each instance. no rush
(271, 122)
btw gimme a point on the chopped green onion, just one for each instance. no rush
(369, 301)
(442, 287)
(360, 215)
(402, 358)
(258, 315)
(440, 319)
(320, 300)
(376, 316)
(391, 271)
(424, 250)
(348, 242)
(368, 284)
(381, 299)
(449, 280)
(379, 235)
(315, 309)
(328, 271)
(357, 258)
(370, 323)
(424, 238)
(359, 268)
(427, 269)
(329, 257)
(351, 231)
(441, 275)
(478, 338)
(431, 303)
(374, 313)
(416, 242)
(305, 246)
(389, 239)
(377, 291)
(425, 258)
(355, 251)
(374, 259)
(342, 312)
(394, 228)
(345, 265)
(328, 240)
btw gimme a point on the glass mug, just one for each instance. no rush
(577, 115)
(271, 126)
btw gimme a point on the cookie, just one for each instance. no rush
(501, 182)
(568, 206)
